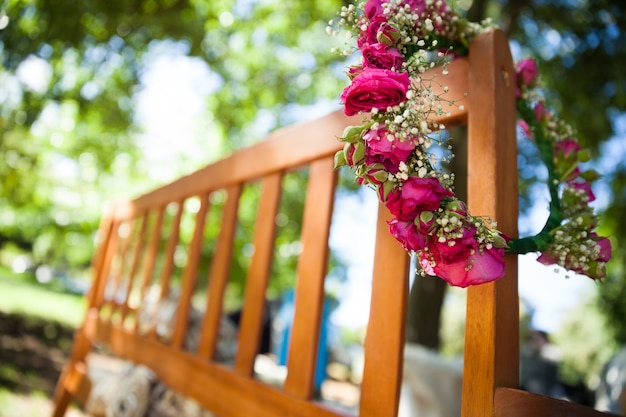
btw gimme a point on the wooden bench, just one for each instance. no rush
(131, 232)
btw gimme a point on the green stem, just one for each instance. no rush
(541, 240)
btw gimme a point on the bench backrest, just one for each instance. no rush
(134, 232)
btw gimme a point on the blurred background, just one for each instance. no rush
(105, 99)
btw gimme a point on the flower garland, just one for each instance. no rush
(392, 150)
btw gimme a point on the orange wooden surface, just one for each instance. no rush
(384, 341)
(254, 300)
(218, 277)
(491, 332)
(517, 403)
(312, 268)
(189, 278)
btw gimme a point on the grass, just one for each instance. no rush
(22, 295)
(33, 405)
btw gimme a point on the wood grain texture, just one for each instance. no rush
(190, 272)
(517, 403)
(312, 269)
(491, 333)
(218, 276)
(258, 276)
(384, 341)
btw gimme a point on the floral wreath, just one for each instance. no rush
(392, 151)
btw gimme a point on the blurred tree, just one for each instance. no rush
(73, 73)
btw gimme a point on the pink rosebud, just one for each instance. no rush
(377, 88)
(417, 195)
(527, 73)
(605, 247)
(541, 113)
(566, 159)
(566, 149)
(407, 234)
(354, 70)
(379, 55)
(378, 31)
(385, 149)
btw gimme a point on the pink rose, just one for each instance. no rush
(480, 267)
(379, 55)
(374, 8)
(407, 234)
(375, 87)
(456, 249)
(380, 149)
(527, 73)
(417, 195)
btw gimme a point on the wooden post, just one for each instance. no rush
(492, 327)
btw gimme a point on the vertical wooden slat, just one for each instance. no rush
(312, 268)
(491, 335)
(153, 250)
(105, 271)
(119, 279)
(172, 241)
(218, 276)
(141, 238)
(258, 275)
(104, 251)
(384, 340)
(189, 274)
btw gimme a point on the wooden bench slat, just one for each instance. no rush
(153, 250)
(137, 251)
(218, 277)
(390, 288)
(312, 268)
(230, 393)
(118, 267)
(253, 311)
(111, 240)
(168, 256)
(190, 274)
